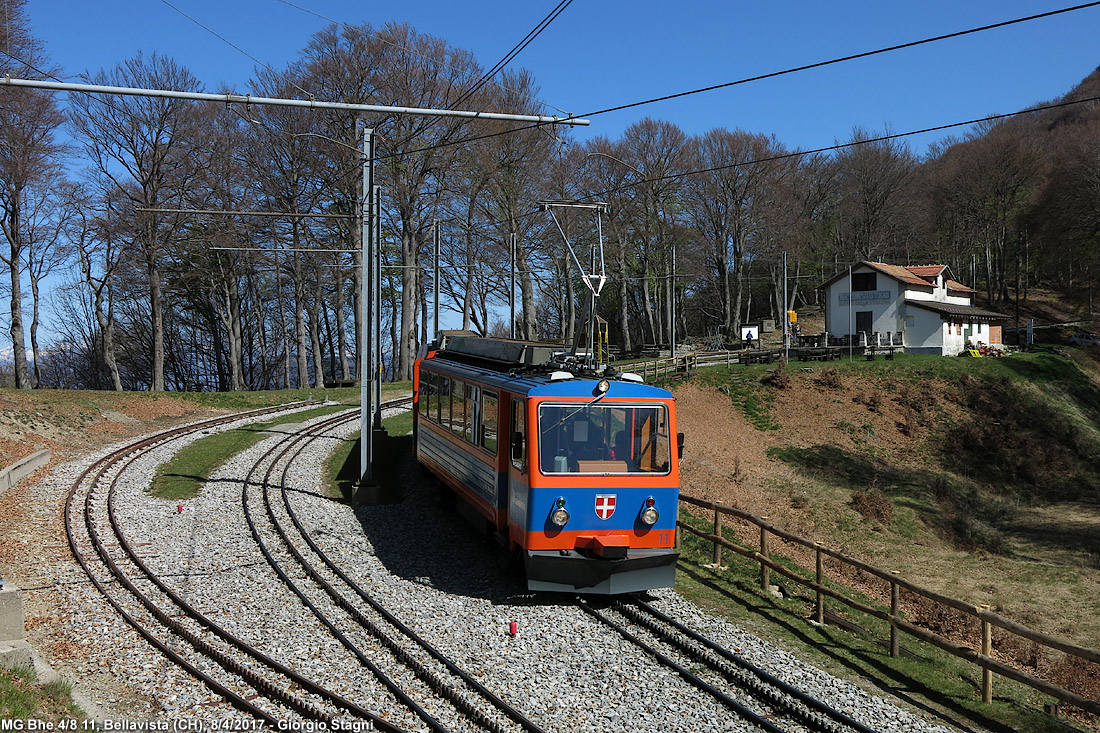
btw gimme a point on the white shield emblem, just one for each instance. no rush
(605, 505)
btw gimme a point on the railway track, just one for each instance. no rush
(262, 686)
(403, 682)
(351, 614)
(752, 693)
(181, 633)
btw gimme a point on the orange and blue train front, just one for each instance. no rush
(595, 508)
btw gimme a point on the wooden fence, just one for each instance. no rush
(988, 619)
(669, 367)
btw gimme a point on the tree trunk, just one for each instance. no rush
(528, 316)
(230, 316)
(157, 307)
(107, 327)
(18, 342)
(34, 332)
(410, 259)
(341, 335)
(313, 306)
(624, 295)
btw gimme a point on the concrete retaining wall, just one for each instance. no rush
(14, 650)
(21, 468)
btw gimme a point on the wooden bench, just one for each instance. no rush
(759, 356)
(818, 354)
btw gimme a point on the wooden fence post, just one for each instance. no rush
(717, 533)
(765, 571)
(895, 598)
(987, 651)
(819, 613)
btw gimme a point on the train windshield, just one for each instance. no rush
(600, 438)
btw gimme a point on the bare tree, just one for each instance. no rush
(421, 71)
(657, 150)
(870, 220)
(99, 253)
(142, 146)
(728, 203)
(46, 225)
(29, 119)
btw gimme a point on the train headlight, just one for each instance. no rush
(560, 516)
(650, 515)
(602, 386)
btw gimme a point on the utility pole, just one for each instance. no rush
(376, 240)
(786, 314)
(367, 373)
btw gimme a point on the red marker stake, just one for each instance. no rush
(179, 508)
(512, 628)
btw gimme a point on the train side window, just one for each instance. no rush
(519, 436)
(473, 412)
(425, 396)
(458, 406)
(489, 422)
(443, 400)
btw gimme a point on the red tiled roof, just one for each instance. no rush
(898, 272)
(920, 275)
(927, 270)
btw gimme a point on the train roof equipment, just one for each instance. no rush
(517, 357)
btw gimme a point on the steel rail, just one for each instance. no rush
(100, 467)
(764, 676)
(689, 677)
(513, 714)
(381, 676)
(203, 620)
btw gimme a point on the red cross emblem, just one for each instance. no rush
(605, 505)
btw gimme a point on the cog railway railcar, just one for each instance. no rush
(576, 472)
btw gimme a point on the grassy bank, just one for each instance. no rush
(935, 684)
(23, 698)
(975, 478)
(182, 477)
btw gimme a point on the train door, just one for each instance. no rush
(518, 487)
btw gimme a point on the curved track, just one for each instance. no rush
(244, 676)
(102, 551)
(727, 676)
(348, 611)
(423, 686)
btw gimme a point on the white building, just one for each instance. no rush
(920, 308)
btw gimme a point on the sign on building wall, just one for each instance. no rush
(866, 298)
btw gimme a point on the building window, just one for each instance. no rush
(863, 282)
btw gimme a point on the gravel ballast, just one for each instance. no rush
(423, 564)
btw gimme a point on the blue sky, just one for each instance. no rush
(601, 53)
